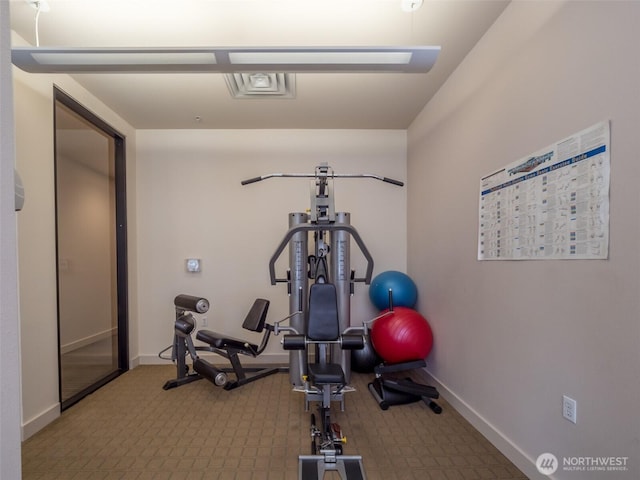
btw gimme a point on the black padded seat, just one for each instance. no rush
(254, 321)
(219, 340)
(327, 373)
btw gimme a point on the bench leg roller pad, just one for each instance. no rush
(210, 372)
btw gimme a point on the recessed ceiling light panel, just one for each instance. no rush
(321, 58)
(130, 59)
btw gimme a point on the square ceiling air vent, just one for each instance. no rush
(261, 85)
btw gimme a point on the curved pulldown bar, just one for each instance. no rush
(325, 228)
(322, 174)
(313, 175)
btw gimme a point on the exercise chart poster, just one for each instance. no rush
(552, 204)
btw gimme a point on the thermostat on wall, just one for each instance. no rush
(193, 265)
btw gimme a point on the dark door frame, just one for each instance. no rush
(121, 244)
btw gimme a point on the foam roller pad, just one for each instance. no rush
(191, 303)
(185, 324)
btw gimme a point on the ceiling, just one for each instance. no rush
(203, 100)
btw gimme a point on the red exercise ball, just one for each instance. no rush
(402, 336)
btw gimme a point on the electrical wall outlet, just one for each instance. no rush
(569, 408)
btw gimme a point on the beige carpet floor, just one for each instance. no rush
(133, 429)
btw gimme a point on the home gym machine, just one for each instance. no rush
(329, 299)
(224, 345)
(330, 260)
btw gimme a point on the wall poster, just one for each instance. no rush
(552, 204)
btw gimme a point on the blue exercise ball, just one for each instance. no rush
(405, 292)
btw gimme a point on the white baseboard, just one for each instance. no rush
(495, 436)
(37, 423)
(134, 362)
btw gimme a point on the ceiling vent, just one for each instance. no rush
(261, 85)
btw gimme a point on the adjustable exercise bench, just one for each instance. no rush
(224, 345)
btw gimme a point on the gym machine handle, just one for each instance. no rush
(314, 175)
(310, 227)
(250, 180)
(391, 180)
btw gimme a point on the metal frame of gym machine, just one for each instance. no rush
(330, 263)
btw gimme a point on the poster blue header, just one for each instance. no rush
(550, 168)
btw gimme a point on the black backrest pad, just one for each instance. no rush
(257, 316)
(323, 312)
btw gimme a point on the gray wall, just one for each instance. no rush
(512, 337)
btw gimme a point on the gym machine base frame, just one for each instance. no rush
(313, 467)
(312, 394)
(388, 392)
(229, 350)
(326, 449)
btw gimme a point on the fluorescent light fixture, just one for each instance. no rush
(321, 58)
(112, 60)
(225, 60)
(133, 58)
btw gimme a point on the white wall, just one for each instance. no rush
(33, 98)
(36, 255)
(10, 462)
(191, 204)
(512, 337)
